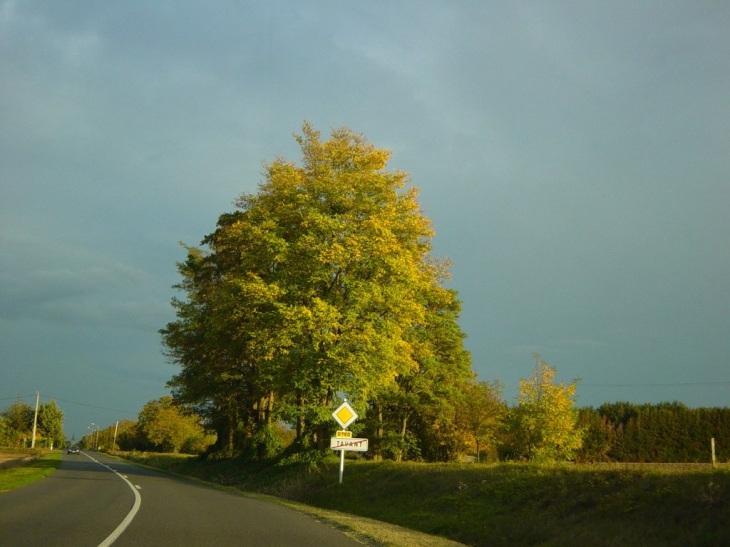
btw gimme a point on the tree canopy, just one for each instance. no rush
(167, 426)
(50, 423)
(319, 286)
(481, 413)
(16, 424)
(544, 424)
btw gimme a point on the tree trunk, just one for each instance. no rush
(322, 429)
(264, 409)
(379, 432)
(269, 408)
(403, 429)
(300, 417)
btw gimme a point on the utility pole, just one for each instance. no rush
(35, 418)
(114, 444)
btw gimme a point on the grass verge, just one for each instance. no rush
(503, 504)
(365, 530)
(37, 468)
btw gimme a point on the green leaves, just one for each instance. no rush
(50, 423)
(543, 425)
(314, 286)
(16, 423)
(481, 413)
(167, 425)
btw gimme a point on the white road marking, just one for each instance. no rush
(132, 513)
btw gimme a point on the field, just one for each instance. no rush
(12, 457)
(19, 468)
(504, 504)
(9, 460)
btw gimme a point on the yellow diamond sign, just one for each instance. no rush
(344, 415)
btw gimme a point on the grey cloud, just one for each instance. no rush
(51, 281)
(573, 160)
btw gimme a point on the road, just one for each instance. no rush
(91, 501)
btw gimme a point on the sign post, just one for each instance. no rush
(343, 440)
(342, 465)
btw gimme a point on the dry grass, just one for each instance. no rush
(368, 531)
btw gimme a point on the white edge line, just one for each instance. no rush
(128, 519)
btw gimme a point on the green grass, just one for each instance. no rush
(506, 504)
(29, 472)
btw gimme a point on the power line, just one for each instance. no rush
(94, 406)
(52, 398)
(17, 397)
(681, 384)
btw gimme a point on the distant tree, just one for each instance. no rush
(620, 412)
(543, 425)
(599, 435)
(7, 438)
(653, 433)
(50, 423)
(481, 412)
(167, 425)
(129, 437)
(19, 422)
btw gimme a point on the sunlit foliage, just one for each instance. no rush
(17, 424)
(50, 424)
(543, 425)
(319, 286)
(481, 413)
(169, 427)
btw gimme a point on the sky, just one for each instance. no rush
(572, 156)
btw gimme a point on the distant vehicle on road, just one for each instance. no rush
(73, 450)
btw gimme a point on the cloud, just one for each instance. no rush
(52, 281)
(572, 160)
(146, 315)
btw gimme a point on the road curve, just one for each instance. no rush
(83, 503)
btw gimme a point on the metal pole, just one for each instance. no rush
(342, 464)
(35, 419)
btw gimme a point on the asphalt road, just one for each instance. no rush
(86, 503)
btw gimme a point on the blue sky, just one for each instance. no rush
(571, 155)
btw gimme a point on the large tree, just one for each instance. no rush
(309, 291)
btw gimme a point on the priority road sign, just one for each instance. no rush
(344, 415)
